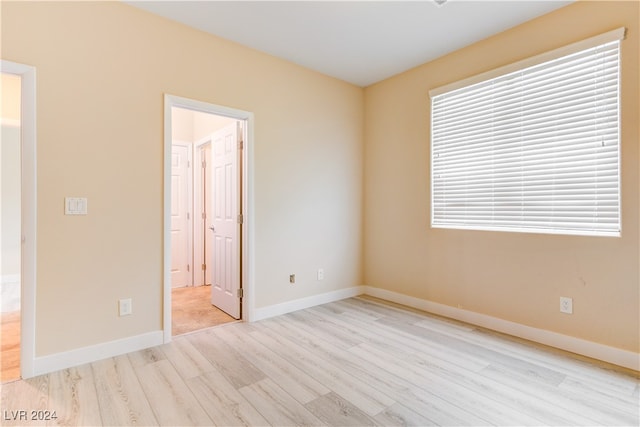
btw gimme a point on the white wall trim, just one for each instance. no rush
(199, 222)
(616, 356)
(28, 213)
(627, 359)
(81, 356)
(311, 301)
(248, 266)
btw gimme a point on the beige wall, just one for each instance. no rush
(518, 277)
(10, 207)
(103, 69)
(205, 124)
(192, 126)
(10, 104)
(181, 124)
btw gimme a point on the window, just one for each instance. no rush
(532, 147)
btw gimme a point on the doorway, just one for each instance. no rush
(18, 225)
(206, 215)
(10, 211)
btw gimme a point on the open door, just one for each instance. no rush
(181, 231)
(225, 221)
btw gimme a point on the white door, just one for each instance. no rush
(224, 221)
(180, 216)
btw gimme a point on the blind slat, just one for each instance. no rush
(535, 150)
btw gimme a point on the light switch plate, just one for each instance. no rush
(75, 205)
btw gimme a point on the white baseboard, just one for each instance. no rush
(299, 304)
(80, 356)
(616, 356)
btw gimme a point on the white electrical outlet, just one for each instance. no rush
(125, 307)
(566, 305)
(321, 274)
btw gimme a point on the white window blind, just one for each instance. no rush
(532, 150)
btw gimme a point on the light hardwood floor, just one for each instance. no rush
(356, 362)
(9, 346)
(9, 331)
(191, 311)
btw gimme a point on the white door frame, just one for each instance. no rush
(198, 222)
(247, 271)
(28, 214)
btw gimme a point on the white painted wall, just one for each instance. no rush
(10, 178)
(10, 203)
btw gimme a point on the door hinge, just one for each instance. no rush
(204, 266)
(188, 268)
(240, 145)
(240, 293)
(204, 164)
(188, 215)
(188, 164)
(204, 215)
(240, 219)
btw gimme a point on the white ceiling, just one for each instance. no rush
(361, 42)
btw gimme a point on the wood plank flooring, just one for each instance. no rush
(9, 346)
(9, 331)
(356, 362)
(191, 311)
